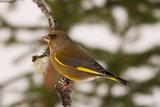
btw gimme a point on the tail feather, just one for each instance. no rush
(122, 81)
(118, 79)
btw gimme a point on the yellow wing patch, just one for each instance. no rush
(112, 78)
(77, 68)
(87, 70)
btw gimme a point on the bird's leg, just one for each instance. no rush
(66, 84)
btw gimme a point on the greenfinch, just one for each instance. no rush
(74, 63)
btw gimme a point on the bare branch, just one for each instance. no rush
(64, 91)
(49, 15)
(7, 1)
(65, 96)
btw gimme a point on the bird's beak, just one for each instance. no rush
(45, 38)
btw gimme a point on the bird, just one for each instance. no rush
(73, 62)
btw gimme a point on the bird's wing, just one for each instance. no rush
(78, 59)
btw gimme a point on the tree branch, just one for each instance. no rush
(48, 14)
(61, 89)
(7, 1)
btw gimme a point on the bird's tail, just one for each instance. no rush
(118, 79)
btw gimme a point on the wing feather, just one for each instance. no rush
(76, 58)
(78, 67)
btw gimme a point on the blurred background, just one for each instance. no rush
(122, 35)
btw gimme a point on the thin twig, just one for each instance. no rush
(49, 15)
(45, 53)
(7, 1)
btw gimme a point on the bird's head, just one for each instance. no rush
(56, 38)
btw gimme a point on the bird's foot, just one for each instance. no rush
(66, 84)
(67, 87)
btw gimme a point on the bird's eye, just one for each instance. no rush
(52, 36)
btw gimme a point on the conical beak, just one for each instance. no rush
(45, 38)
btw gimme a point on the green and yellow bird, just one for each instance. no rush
(73, 62)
